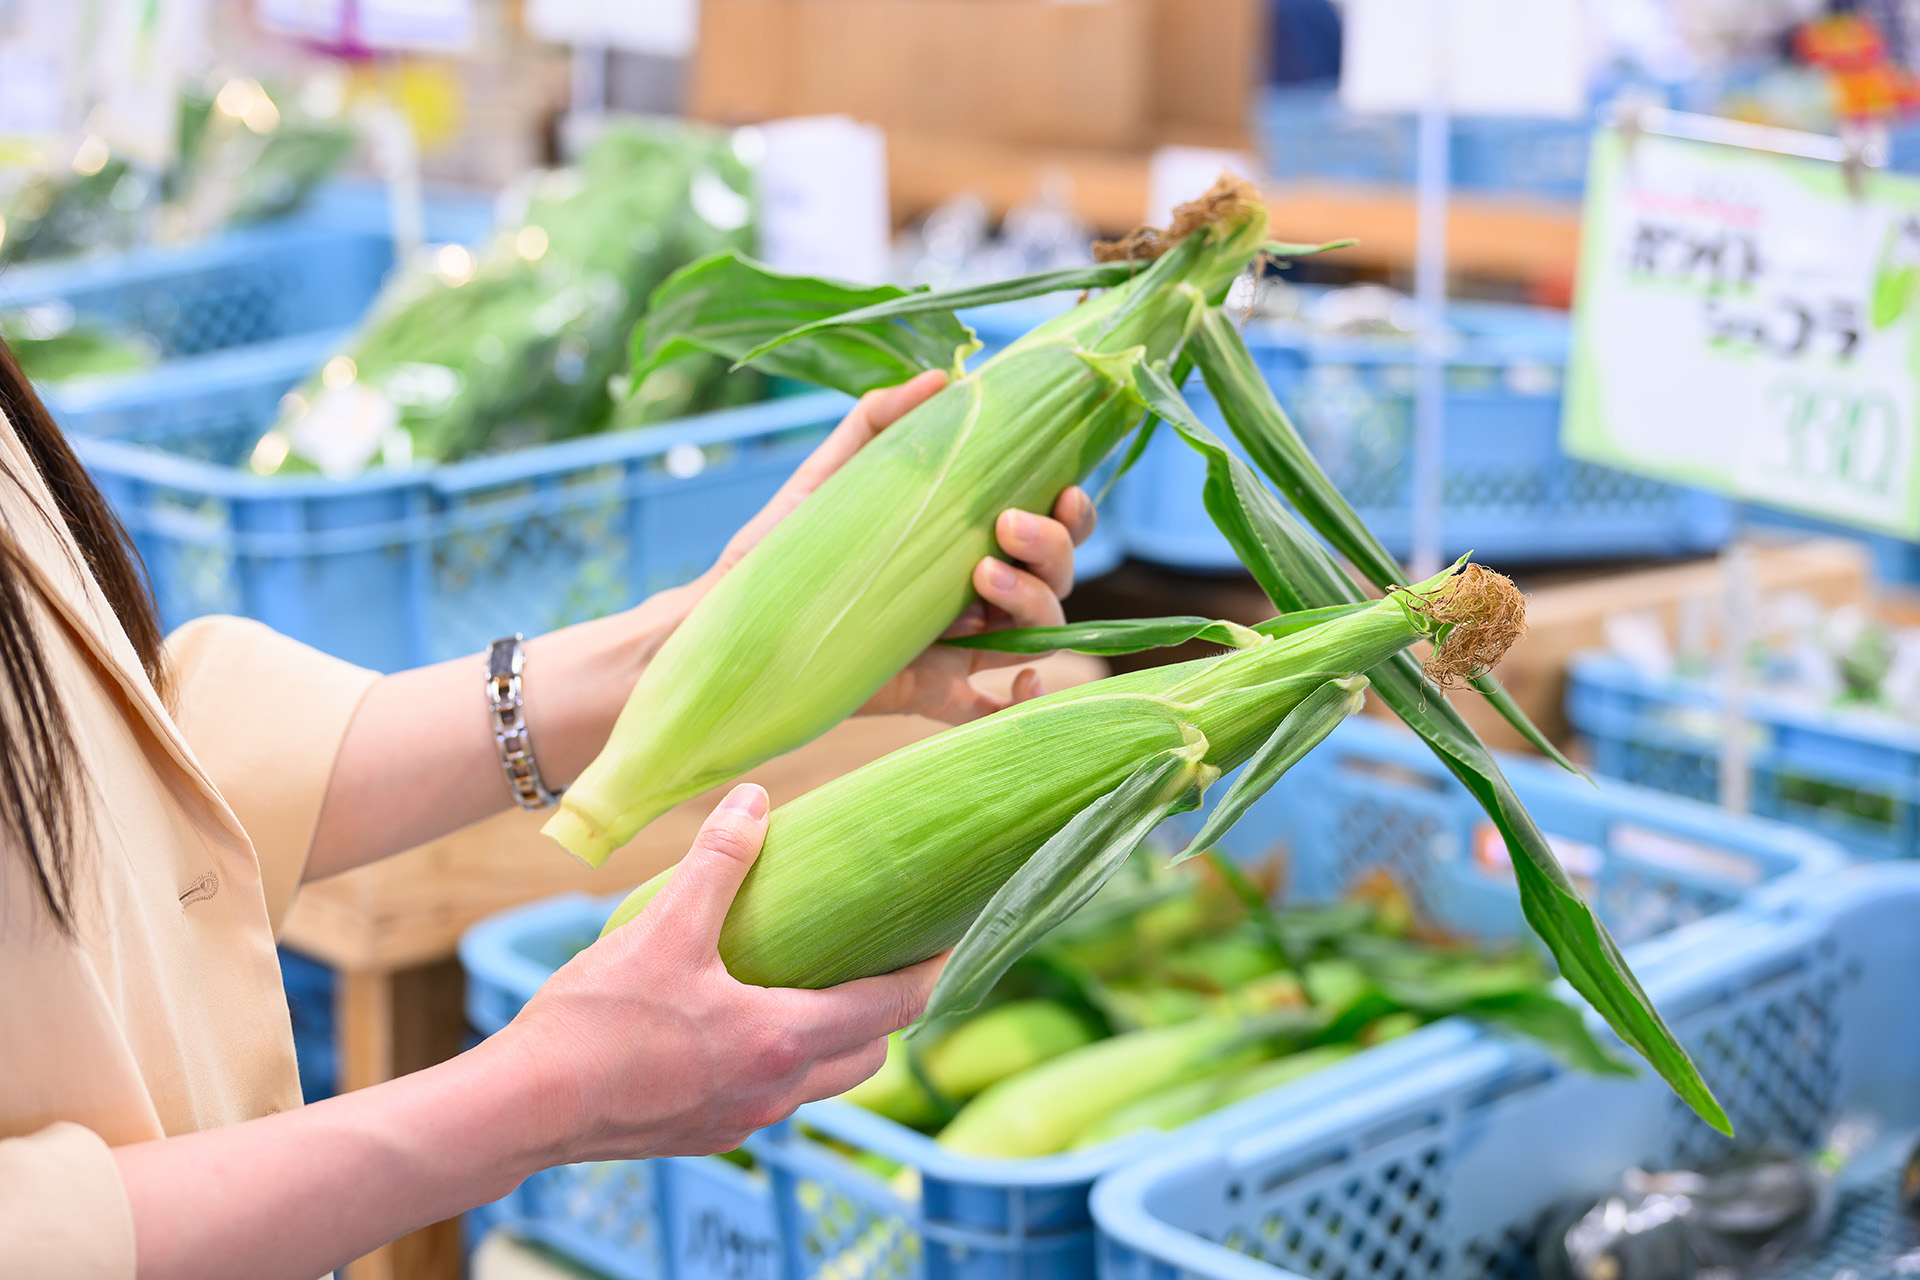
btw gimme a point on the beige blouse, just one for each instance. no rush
(165, 1015)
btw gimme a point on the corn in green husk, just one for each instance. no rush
(873, 567)
(893, 862)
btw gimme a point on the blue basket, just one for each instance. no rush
(1371, 797)
(1306, 135)
(1852, 777)
(1509, 492)
(309, 987)
(1798, 1011)
(313, 271)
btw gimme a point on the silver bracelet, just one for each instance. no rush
(506, 659)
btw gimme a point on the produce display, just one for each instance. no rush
(526, 343)
(994, 833)
(52, 345)
(1168, 997)
(244, 154)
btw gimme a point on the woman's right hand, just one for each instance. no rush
(644, 1045)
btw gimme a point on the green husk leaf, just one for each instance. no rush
(925, 302)
(1063, 874)
(728, 305)
(1287, 624)
(1282, 249)
(1555, 1024)
(1107, 638)
(1271, 440)
(1298, 573)
(1304, 728)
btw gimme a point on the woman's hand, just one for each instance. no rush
(1023, 590)
(642, 1045)
(646, 1046)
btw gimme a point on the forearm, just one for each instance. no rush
(297, 1194)
(419, 759)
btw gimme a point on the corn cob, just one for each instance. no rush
(982, 1051)
(873, 567)
(891, 863)
(1045, 1110)
(1188, 1100)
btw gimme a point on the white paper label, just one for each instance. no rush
(664, 28)
(822, 183)
(1747, 323)
(426, 25)
(1495, 57)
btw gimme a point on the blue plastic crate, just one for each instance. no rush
(210, 408)
(314, 271)
(1371, 797)
(1798, 1011)
(309, 987)
(1509, 493)
(1306, 135)
(1852, 777)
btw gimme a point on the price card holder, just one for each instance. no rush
(823, 197)
(1747, 319)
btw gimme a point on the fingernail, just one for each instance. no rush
(1001, 577)
(748, 799)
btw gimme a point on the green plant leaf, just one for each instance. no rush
(1281, 249)
(727, 305)
(1555, 1024)
(1287, 624)
(1263, 916)
(1270, 439)
(924, 302)
(1107, 638)
(1298, 573)
(1062, 875)
(1303, 729)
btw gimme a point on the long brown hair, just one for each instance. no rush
(40, 780)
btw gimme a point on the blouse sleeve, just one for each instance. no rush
(63, 1208)
(265, 716)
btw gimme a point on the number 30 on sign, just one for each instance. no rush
(1749, 323)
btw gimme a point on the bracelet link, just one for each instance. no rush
(506, 659)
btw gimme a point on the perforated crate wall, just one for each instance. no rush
(1852, 778)
(1796, 1015)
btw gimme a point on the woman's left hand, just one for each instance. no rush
(1023, 589)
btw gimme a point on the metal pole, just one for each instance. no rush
(1737, 581)
(1433, 176)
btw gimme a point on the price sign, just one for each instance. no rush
(1749, 322)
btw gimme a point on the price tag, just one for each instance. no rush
(1494, 57)
(431, 26)
(1748, 324)
(822, 184)
(663, 28)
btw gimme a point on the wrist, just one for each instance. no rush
(535, 1109)
(577, 679)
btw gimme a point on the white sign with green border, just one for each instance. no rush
(1749, 323)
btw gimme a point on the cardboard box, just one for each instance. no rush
(1112, 74)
